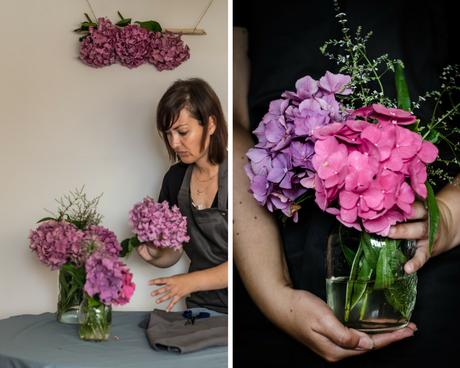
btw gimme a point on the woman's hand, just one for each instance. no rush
(173, 288)
(313, 323)
(417, 229)
(159, 257)
(147, 251)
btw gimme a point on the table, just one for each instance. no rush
(39, 341)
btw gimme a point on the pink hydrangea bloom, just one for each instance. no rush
(132, 45)
(108, 279)
(97, 49)
(167, 50)
(56, 243)
(99, 238)
(157, 223)
(368, 175)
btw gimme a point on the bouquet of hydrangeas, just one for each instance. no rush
(108, 281)
(156, 223)
(104, 43)
(365, 159)
(68, 241)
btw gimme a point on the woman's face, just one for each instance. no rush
(184, 137)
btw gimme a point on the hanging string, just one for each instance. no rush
(202, 15)
(92, 10)
(185, 31)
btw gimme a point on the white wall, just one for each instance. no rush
(64, 124)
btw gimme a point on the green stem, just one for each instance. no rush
(351, 282)
(373, 69)
(88, 18)
(363, 309)
(442, 118)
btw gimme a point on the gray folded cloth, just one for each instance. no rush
(171, 331)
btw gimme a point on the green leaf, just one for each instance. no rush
(348, 253)
(371, 249)
(402, 294)
(402, 92)
(384, 276)
(124, 22)
(150, 25)
(433, 215)
(46, 219)
(433, 136)
(128, 245)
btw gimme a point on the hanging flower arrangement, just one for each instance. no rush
(130, 44)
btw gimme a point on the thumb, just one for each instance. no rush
(345, 337)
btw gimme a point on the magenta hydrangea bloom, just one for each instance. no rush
(104, 239)
(132, 45)
(108, 279)
(157, 223)
(56, 243)
(98, 48)
(167, 50)
(368, 175)
(280, 165)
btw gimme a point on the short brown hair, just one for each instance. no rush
(201, 102)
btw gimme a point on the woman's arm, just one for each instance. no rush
(177, 286)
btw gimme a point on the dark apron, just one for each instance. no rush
(208, 246)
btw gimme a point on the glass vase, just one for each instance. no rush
(366, 285)
(71, 281)
(95, 319)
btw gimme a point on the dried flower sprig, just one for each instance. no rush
(366, 74)
(350, 54)
(77, 209)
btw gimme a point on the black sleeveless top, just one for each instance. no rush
(207, 228)
(284, 46)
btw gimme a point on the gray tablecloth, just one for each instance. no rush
(39, 341)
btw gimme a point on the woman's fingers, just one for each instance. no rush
(419, 211)
(169, 295)
(160, 291)
(159, 281)
(421, 256)
(383, 339)
(173, 302)
(144, 253)
(409, 230)
(343, 336)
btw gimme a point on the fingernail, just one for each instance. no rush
(365, 343)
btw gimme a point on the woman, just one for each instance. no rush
(193, 126)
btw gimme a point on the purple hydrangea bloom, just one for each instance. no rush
(157, 223)
(132, 45)
(97, 49)
(280, 167)
(99, 238)
(167, 50)
(56, 243)
(108, 278)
